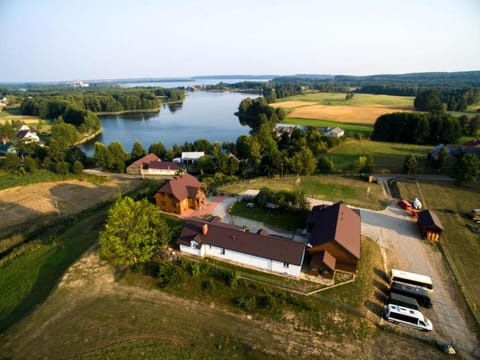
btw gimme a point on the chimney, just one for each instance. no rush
(204, 229)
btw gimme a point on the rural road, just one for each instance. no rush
(397, 234)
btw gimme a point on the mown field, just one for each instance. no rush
(362, 109)
(388, 157)
(352, 190)
(460, 245)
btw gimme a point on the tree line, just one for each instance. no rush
(438, 100)
(417, 128)
(49, 105)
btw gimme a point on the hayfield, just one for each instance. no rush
(362, 109)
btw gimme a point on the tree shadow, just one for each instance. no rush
(55, 260)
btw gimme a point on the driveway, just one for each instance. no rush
(402, 247)
(398, 235)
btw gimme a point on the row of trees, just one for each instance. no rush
(49, 105)
(415, 128)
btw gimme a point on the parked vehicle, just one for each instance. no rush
(402, 300)
(416, 292)
(400, 314)
(412, 279)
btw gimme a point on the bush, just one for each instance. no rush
(169, 274)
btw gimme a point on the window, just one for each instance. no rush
(286, 265)
(222, 251)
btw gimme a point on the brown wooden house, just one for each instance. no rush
(334, 239)
(181, 193)
(137, 166)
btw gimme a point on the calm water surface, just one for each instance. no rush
(203, 115)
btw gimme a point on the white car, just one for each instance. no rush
(250, 205)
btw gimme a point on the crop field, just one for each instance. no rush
(362, 109)
(460, 245)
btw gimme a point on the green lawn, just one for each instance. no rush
(462, 246)
(400, 102)
(387, 156)
(351, 190)
(364, 130)
(277, 218)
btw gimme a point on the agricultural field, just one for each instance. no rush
(362, 109)
(388, 157)
(460, 245)
(352, 190)
(21, 205)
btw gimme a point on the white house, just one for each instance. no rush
(336, 132)
(27, 134)
(166, 168)
(190, 157)
(232, 243)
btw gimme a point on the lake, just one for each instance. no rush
(203, 115)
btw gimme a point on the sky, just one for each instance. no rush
(56, 40)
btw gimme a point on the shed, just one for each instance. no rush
(430, 225)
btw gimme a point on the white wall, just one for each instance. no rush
(241, 258)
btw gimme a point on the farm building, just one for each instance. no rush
(181, 193)
(334, 239)
(137, 166)
(232, 243)
(430, 225)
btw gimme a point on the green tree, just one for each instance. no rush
(410, 164)
(365, 164)
(467, 169)
(62, 137)
(303, 162)
(77, 167)
(474, 128)
(118, 157)
(158, 149)
(10, 162)
(133, 233)
(325, 165)
(138, 151)
(429, 100)
(102, 156)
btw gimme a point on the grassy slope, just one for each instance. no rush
(364, 130)
(29, 279)
(461, 245)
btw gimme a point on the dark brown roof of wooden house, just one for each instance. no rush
(337, 223)
(236, 238)
(324, 257)
(429, 219)
(146, 160)
(181, 186)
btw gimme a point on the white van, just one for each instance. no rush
(415, 318)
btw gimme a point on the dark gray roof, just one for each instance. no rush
(429, 219)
